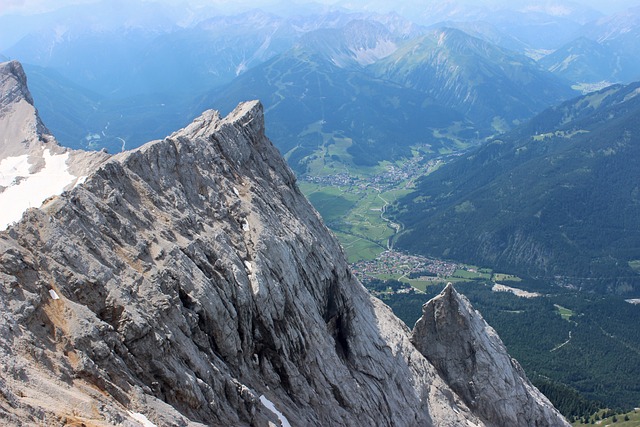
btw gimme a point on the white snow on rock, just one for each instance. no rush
(26, 190)
(270, 406)
(142, 419)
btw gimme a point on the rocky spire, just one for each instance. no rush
(21, 130)
(472, 359)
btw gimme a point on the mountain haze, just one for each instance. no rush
(604, 50)
(377, 84)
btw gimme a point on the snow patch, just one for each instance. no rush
(270, 406)
(13, 168)
(30, 190)
(369, 56)
(141, 419)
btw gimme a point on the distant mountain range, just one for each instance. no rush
(553, 199)
(605, 50)
(377, 84)
(384, 93)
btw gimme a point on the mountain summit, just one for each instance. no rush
(32, 164)
(189, 282)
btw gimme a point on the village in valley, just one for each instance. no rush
(391, 177)
(393, 263)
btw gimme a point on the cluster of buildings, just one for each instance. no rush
(394, 263)
(390, 178)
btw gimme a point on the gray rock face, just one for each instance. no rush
(471, 358)
(190, 282)
(20, 126)
(33, 166)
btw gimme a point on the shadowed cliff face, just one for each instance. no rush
(190, 281)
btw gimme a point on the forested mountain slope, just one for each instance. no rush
(557, 198)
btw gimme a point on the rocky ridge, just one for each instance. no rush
(32, 164)
(189, 282)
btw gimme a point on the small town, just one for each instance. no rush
(394, 175)
(394, 263)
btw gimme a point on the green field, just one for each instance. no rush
(355, 215)
(565, 313)
(500, 277)
(469, 273)
(630, 419)
(358, 248)
(333, 204)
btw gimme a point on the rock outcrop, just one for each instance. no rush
(32, 164)
(189, 282)
(472, 359)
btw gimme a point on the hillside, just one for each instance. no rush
(552, 199)
(492, 86)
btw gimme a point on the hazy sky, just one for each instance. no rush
(36, 6)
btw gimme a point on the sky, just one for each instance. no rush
(39, 6)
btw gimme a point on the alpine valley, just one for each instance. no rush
(492, 145)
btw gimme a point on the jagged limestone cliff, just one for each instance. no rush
(190, 282)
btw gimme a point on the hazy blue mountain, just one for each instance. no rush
(538, 29)
(310, 102)
(582, 61)
(540, 25)
(82, 119)
(127, 61)
(607, 49)
(487, 32)
(357, 44)
(491, 85)
(553, 199)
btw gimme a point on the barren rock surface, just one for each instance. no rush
(189, 282)
(470, 356)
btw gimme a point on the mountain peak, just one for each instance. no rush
(33, 166)
(246, 114)
(466, 351)
(21, 129)
(14, 83)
